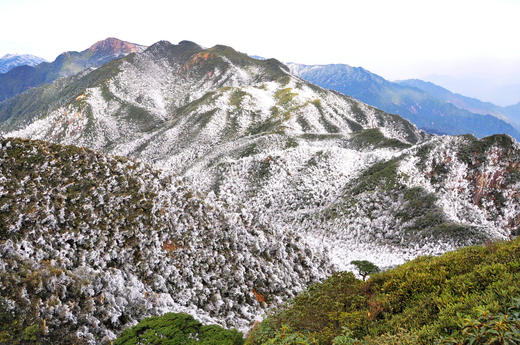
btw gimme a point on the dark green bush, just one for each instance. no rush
(177, 329)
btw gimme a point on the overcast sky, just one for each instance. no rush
(394, 38)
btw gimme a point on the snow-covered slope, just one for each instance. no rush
(10, 61)
(90, 244)
(352, 181)
(274, 146)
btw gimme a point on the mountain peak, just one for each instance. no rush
(10, 61)
(114, 46)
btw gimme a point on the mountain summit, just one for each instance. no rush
(113, 45)
(110, 49)
(66, 64)
(10, 61)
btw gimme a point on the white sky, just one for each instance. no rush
(395, 38)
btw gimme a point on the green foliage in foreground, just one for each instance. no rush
(470, 296)
(177, 329)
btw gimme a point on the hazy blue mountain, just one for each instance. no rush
(513, 112)
(427, 111)
(500, 89)
(510, 113)
(460, 101)
(22, 78)
(10, 61)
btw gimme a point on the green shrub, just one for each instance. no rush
(177, 328)
(489, 328)
(457, 297)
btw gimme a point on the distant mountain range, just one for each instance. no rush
(429, 106)
(510, 113)
(10, 61)
(24, 77)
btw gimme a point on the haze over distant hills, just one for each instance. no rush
(502, 90)
(426, 109)
(10, 61)
(510, 113)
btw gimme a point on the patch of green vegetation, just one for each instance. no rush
(284, 79)
(18, 329)
(284, 97)
(203, 119)
(379, 175)
(250, 150)
(269, 125)
(196, 104)
(291, 143)
(489, 328)
(471, 293)
(329, 126)
(354, 126)
(422, 152)
(318, 137)
(417, 201)
(262, 170)
(176, 329)
(476, 150)
(236, 98)
(303, 123)
(373, 138)
(358, 113)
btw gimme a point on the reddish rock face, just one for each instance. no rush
(114, 46)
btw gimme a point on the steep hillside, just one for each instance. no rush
(22, 78)
(470, 296)
(90, 244)
(344, 175)
(10, 61)
(426, 110)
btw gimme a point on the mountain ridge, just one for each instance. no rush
(510, 113)
(216, 116)
(10, 61)
(66, 64)
(428, 112)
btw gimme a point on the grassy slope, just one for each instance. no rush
(421, 302)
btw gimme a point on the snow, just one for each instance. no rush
(270, 205)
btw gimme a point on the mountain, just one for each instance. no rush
(272, 145)
(471, 104)
(275, 159)
(423, 108)
(10, 61)
(498, 82)
(90, 244)
(22, 78)
(513, 112)
(510, 113)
